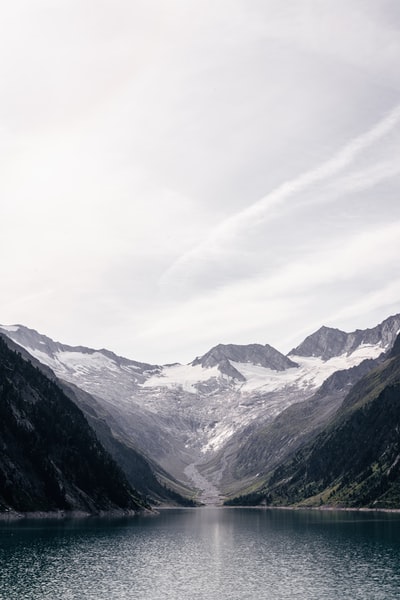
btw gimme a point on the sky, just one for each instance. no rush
(177, 174)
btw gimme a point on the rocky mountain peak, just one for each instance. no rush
(256, 354)
(35, 342)
(30, 338)
(328, 342)
(325, 343)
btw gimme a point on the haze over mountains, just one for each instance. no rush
(51, 460)
(226, 419)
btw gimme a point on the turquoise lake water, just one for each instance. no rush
(205, 554)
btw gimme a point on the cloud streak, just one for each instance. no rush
(264, 209)
(279, 302)
(135, 138)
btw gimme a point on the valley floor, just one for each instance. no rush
(208, 493)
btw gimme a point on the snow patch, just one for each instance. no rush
(258, 377)
(10, 328)
(43, 357)
(95, 361)
(184, 376)
(197, 409)
(316, 370)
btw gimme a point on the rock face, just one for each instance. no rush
(354, 461)
(77, 358)
(218, 412)
(395, 351)
(327, 342)
(262, 449)
(256, 354)
(50, 458)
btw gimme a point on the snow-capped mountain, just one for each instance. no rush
(328, 342)
(181, 415)
(223, 355)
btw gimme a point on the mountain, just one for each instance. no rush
(50, 458)
(259, 450)
(149, 479)
(328, 342)
(355, 460)
(229, 416)
(395, 351)
(223, 355)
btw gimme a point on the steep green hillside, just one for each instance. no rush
(355, 461)
(50, 459)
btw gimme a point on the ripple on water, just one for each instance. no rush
(204, 554)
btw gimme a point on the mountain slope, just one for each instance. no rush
(260, 450)
(149, 479)
(328, 342)
(50, 458)
(214, 413)
(223, 355)
(355, 461)
(335, 360)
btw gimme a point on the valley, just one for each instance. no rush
(197, 422)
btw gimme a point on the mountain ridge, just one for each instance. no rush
(257, 354)
(50, 458)
(354, 461)
(327, 342)
(201, 414)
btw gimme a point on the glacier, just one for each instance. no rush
(182, 415)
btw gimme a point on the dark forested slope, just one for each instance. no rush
(353, 462)
(50, 459)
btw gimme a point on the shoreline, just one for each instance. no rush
(326, 508)
(59, 515)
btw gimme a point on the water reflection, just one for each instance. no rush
(205, 553)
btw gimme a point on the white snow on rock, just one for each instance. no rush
(9, 328)
(184, 376)
(186, 411)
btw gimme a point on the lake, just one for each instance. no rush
(205, 554)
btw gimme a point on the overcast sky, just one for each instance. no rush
(175, 173)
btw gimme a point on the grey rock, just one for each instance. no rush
(328, 342)
(256, 354)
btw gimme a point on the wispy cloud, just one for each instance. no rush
(226, 233)
(176, 174)
(273, 308)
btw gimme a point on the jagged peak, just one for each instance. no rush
(325, 343)
(32, 339)
(257, 354)
(328, 342)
